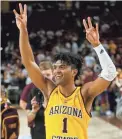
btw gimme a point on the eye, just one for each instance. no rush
(62, 67)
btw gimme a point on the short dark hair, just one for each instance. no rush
(75, 61)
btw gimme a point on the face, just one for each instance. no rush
(47, 73)
(62, 73)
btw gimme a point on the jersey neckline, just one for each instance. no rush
(70, 96)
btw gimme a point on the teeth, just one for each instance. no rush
(58, 77)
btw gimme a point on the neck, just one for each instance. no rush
(67, 90)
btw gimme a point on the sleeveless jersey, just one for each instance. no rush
(66, 117)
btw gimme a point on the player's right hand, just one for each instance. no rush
(21, 19)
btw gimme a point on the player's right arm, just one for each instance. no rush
(27, 54)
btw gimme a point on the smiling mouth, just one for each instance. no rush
(58, 77)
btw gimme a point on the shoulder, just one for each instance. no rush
(53, 93)
(54, 90)
(50, 86)
(85, 89)
(86, 86)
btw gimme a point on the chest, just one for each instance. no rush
(60, 108)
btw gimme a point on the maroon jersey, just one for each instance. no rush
(26, 91)
(9, 122)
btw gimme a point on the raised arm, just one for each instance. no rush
(27, 54)
(108, 72)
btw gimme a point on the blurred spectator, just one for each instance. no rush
(119, 109)
(89, 75)
(89, 60)
(104, 28)
(45, 68)
(3, 95)
(74, 44)
(112, 47)
(118, 82)
(119, 101)
(111, 99)
(36, 104)
(105, 44)
(25, 94)
(118, 60)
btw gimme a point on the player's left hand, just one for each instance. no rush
(92, 34)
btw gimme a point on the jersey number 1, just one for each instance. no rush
(64, 125)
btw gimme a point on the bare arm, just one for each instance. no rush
(27, 54)
(31, 113)
(91, 90)
(98, 86)
(23, 104)
(30, 116)
(29, 62)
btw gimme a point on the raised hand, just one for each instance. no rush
(21, 19)
(35, 105)
(92, 34)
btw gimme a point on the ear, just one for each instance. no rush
(74, 72)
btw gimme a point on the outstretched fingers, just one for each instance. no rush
(20, 8)
(89, 22)
(25, 9)
(15, 13)
(97, 29)
(85, 24)
(22, 11)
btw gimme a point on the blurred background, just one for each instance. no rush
(56, 26)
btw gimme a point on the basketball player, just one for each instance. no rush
(68, 107)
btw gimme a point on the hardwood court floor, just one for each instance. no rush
(113, 120)
(102, 129)
(99, 128)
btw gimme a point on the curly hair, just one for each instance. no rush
(75, 61)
